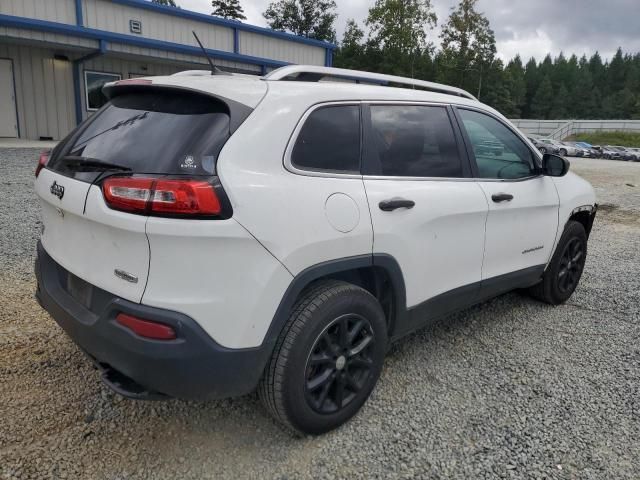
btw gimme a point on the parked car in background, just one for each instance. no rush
(564, 149)
(544, 146)
(636, 151)
(625, 154)
(608, 153)
(580, 151)
(594, 152)
(490, 147)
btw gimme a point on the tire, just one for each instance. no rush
(565, 269)
(563, 152)
(312, 384)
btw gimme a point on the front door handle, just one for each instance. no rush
(501, 197)
(395, 203)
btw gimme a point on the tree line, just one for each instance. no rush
(397, 38)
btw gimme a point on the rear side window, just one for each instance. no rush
(412, 141)
(329, 140)
(172, 133)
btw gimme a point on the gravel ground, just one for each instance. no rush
(509, 389)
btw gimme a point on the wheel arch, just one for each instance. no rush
(585, 216)
(375, 273)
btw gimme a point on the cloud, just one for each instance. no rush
(531, 28)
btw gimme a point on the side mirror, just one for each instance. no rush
(554, 165)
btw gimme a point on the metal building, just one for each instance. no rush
(55, 55)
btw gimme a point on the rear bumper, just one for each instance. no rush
(192, 366)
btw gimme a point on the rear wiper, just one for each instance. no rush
(92, 164)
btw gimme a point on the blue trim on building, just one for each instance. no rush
(79, 14)
(77, 88)
(73, 30)
(328, 58)
(179, 12)
(236, 41)
(77, 91)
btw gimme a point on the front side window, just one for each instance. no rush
(329, 140)
(412, 141)
(93, 83)
(499, 153)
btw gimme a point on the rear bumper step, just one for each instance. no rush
(193, 366)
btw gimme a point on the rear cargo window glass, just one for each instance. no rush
(330, 140)
(172, 133)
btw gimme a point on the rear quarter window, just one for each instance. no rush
(329, 140)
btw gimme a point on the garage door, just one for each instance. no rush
(8, 119)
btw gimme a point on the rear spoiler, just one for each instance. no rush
(238, 112)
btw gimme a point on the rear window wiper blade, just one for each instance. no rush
(88, 163)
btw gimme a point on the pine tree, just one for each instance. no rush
(598, 70)
(168, 3)
(583, 102)
(541, 103)
(532, 82)
(229, 9)
(616, 72)
(516, 84)
(560, 108)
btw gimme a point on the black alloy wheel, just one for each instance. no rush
(564, 271)
(327, 359)
(571, 265)
(339, 364)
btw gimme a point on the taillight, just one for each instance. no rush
(162, 196)
(146, 328)
(42, 161)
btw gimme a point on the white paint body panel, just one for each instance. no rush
(92, 244)
(517, 229)
(573, 192)
(439, 242)
(216, 273)
(283, 210)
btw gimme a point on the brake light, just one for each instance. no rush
(162, 196)
(146, 328)
(42, 161)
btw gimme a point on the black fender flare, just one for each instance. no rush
(310, 274)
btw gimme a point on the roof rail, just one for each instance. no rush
(312, 73)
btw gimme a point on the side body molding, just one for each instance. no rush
(404, 320)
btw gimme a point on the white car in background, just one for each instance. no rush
(209, 235)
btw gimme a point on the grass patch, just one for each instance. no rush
(625, 139)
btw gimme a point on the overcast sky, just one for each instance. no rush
(528, 27)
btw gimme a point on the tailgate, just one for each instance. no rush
(92, 242)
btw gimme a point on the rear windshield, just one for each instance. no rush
(172, 133)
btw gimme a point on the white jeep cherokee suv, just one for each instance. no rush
(210, 235)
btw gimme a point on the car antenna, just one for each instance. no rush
(214, 70)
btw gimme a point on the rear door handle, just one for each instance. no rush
(501, 197)
(395, 203)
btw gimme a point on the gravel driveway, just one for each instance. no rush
(509, 389)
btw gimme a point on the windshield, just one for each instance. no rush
(172, 133)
